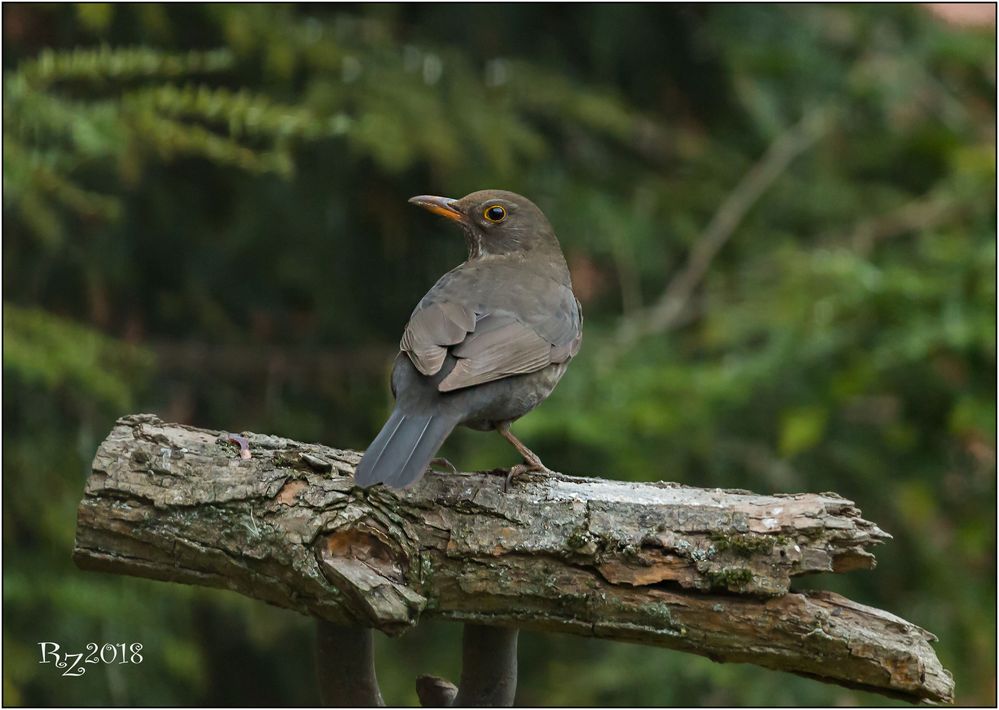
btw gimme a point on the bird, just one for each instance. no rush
(487, 343)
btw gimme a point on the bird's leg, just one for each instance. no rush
(531, 459)
(442, 462)
(532, 462)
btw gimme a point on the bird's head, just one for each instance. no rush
(495, 222)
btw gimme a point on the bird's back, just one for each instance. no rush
(499, 285)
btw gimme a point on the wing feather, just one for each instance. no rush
(431, 330)
(489, 342)
(500, 346)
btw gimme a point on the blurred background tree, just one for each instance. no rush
(780, 220)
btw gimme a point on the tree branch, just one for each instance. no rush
(668, 310)
(345, 666)
(701, 570)
(488, 667)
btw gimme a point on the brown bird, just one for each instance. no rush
(486, 345)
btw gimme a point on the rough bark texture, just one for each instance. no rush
(700, 570)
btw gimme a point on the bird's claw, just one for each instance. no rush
(525, 467)
(442, 463)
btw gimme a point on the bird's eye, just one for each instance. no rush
(494, 213)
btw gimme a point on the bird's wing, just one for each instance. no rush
(568, 336)
(494, 336)
(500, 346)
(431, 330)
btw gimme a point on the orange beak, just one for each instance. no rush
(444, 206)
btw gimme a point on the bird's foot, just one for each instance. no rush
(526, 467)
(442, 463)
(531, 460)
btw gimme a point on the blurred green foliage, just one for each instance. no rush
(205, 216)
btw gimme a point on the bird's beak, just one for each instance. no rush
(444, 206)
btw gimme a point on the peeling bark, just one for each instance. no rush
(701, 570)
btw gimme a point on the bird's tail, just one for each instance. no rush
(403, 449)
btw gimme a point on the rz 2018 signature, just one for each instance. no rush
(73, 665)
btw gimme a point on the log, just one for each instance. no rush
(706, 571)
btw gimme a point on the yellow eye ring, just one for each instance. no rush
(494, 213)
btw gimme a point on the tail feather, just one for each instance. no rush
(403, 449)
(372, 457)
